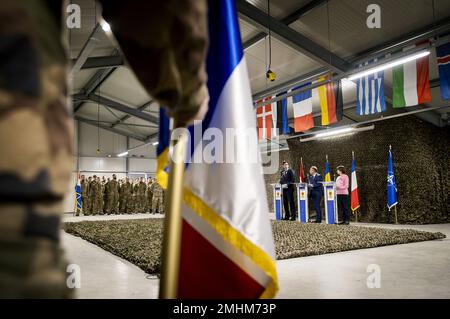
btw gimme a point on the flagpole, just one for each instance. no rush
(395, 206)
(301, 169)
(395, 214)
(170, 261)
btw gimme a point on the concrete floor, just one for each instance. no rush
(416, 270)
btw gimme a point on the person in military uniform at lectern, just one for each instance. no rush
(287, 181)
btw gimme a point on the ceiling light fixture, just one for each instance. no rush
(337, 132)
(105, 26)
(122, 154)
(388, 65)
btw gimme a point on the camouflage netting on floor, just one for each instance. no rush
(139, 241)
(293, 239)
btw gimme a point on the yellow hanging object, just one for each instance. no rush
(271, 75)
(98, 151)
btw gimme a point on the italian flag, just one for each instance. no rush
(411, 83)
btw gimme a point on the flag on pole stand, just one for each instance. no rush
(302, 172)
(227, 248)
(79, 202)
(391, 185)
(327, 170)
(354, 201)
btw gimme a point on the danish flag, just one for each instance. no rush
(266, 117)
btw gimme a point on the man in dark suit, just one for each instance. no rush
(316, 190)
(287, 181)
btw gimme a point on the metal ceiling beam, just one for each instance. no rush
(122, 108)
(92, 85)
(294, 16)
(441, 27)
(126, 117)
(293, 38)
(108, 128)
(125, 124)
(432, 30)
(101, 62)
(87, 49)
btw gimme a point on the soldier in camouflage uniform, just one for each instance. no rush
(148, 202)
(141, 196)
(89, 197)
(135, 199)
(36, 129)
(113, 195)
(131, 198)
(158, 199)
(104, 194)
(92, 203)
(120, 196)
(99, 195)
(125, 193)
(84, 194)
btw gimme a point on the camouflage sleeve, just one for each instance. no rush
(36, 149)
(165, 43)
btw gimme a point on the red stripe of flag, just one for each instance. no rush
(331, 103)
(354, 199)
(205, 272)
(444, 59)
(423, 80)
(303, 123)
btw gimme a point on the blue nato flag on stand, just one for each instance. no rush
(391, 184)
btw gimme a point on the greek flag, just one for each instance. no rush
(391, 184)
(370, 93)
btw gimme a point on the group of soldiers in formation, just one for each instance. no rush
(123, 196)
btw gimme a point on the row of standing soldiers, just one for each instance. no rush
(125, 196)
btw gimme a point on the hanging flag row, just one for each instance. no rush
(273, 117)
(410, 86)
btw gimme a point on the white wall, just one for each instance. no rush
(109, 143)
(88, 162)
(142, 165)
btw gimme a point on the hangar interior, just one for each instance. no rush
(116, 131)
(113, 113)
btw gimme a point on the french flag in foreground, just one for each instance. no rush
(227, 248)
(354, 202)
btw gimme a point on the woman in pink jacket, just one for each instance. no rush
(342, 184)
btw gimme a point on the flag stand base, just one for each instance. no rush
(395, 214)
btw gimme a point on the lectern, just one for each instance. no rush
(330, 199)
(277, 201)
(302, 201)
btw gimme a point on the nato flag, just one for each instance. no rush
(391, 184)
